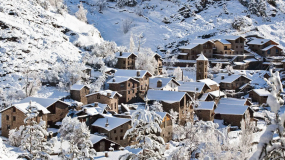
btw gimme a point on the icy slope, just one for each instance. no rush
(213, 21)
(31, 35)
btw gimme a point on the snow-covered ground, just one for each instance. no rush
(212, 21)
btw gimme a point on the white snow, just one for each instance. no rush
(131, 73)
(209, 82)
(201, 58)
(124, 55)
(261, 92)
(165, 96)
(205, 105)
(191, 87)
(105, 92)
(77, 87)
(113, 122)
(119, 79)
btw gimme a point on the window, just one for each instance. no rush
(115, 105)
(129, 84)
(116, 138)
(14, 109)
(268, 52)
(14, 118)
(236, 46)
(121, 138)
(98, 96)
(7, 117)
(8, 126)
(122, 130)
(124, 62)
(122, 85)
(129, 92)
(240, 46)
(115, 131)
(225, 47)
(277, 51)
(133, 91)
(169, 133)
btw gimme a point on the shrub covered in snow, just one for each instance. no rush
(127, 25)
(146, 61)
(241, 22)
(81, 13)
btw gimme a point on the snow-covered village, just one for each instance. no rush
(142, 79)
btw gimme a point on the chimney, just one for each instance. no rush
(121, 53)
(96, 104)
(138, 73)
(229, 74)
(85, 110)
(107, 124)
(222, 77)
(159, 83)
(114, 80)
(108, 94)
(261, 41)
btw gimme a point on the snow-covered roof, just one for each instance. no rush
(223, 41)
(258, 41)
(269, 47)
(77, 87)
(162, 114)
(202, 58)
(228, 78)
(119, 79)
(231, 109)
(204, 96)
(113, 122)
(217, 93)
(195, 43)
(95, 138)
(91, 110)
(131, 73)
(191, 87)
(250, 60)
(261, 92)
(232, 37)
(165, 96)
(105, 92)
(164, 80)
(124, 54)
(45, 102)
(23, 107)
(209, 82)
(232, 101)
(205, 105)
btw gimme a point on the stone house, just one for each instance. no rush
(106, 97)
(166, 126)
(217, 95)
(178, 101)
(78, 92)
(57, 108)
(125, 86)
(113, 128)
(140, 75)
(230, 45)
(259, 95)
(13, 116)
(196, 47)
(125, 60)
(159, 64)
(265, 47)
(194, 88)
(231, 81)
(163, 83)
(206, 110)
(101, 143)
(91, 112)
(214, 86)
(233, 110)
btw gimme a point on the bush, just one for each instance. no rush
(129, 3)
(127, 25)
(240, 22)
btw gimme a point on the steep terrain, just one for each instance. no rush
(168, 24)
(31, 35)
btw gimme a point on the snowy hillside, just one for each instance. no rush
(166, 23)
(39, 38)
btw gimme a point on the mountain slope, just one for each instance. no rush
(180, 24)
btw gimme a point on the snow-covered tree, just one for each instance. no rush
(177, 73)
(217, 67)
(5, 153)
(102, 4)
(146, 60)
(129, 3)
(31, 80)
(245, 146)
(33, 135)
(174, 116)
(78, 136)
(202, 137)
(145, 126)
(170, 60)
(267, 147)
(81, 13)
(156, 107)
(132, 44)
(229, 69)
(127, 25)
(15, 136)
(139, 40)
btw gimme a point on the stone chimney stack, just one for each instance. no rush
(159, 83)
(138, 73)
(222, 77)
(96, 104)
(108, 94)
(121, 53)
(107, 124)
